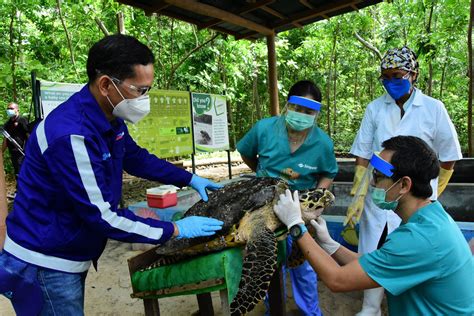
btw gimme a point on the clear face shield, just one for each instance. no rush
(377, 170)
(301, 113)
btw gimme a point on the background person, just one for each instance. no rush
(294, 148)
(403, 110)
(71, 184)
(425, 266)
(17, 127)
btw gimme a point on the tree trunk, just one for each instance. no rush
(443, 72)
(334, 93)
(69, 44)
(470, 127)
(13, 54)
(429, 88)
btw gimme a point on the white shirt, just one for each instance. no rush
(425, 118)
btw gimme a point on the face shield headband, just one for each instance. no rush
(302, 101)
(381, 165)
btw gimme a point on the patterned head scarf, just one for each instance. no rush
(400, 58)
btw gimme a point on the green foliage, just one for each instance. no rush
(327, 52)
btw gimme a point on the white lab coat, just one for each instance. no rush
(425, 118)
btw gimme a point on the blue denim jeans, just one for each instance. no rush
(28, 287)
(63, 292)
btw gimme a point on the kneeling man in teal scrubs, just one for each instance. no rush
(425, 265)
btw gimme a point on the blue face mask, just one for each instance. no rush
(299, 121)
(378, 197)
(11, 113)
(397, 87)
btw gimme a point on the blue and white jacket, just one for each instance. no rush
(70, 187)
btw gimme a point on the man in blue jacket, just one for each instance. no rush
(70, 185)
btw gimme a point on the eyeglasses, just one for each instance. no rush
(395, 77)
(378, 176)
(139, 90)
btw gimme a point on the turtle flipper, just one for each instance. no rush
(259, 264)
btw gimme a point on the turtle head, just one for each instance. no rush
(313, 202)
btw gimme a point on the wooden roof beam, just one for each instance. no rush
(278, 14)
(310, 6)
(207, 10)
(196, 22)
(245, 9)
(315, 12)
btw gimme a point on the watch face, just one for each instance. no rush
(295, 231)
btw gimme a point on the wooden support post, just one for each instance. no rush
(272, 76)
(276, 297)
(205, 304)
(224, 302)
(152, 308)
(120, 23)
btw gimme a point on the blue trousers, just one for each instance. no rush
(37, 291)
(304, 283)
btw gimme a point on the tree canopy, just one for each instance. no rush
(341, 55)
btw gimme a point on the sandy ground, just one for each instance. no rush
(108, 292)
(108, 289)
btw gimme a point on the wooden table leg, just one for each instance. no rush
(152, 307)
(205, 304)
(276, 295)
(224, 302)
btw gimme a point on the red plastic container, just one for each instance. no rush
(162, 197)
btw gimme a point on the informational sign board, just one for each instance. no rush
(166, 131)
(55, 93)
(210, 122)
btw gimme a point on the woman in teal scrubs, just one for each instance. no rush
(292, 147)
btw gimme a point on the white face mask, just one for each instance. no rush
(131, 110)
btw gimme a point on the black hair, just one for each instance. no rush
(413, 157)
(305, 87)
(116, 55)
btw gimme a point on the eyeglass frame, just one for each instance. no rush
(141, 91)
(405, 76)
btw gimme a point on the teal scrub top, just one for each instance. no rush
(268, 140)
(425, 266)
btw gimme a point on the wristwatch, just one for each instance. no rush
(297, 231)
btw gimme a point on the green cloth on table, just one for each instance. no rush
(225, 264)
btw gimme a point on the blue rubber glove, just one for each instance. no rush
(197, 226)
(200, 184)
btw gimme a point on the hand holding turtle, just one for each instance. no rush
(201, 184)
(322, 236)
(197, 226)
(288, 209)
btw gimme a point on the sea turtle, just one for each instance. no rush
(246, 208)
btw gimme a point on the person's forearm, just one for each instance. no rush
(324, 265)
(324, 183)
(362, 162)
(343, 255)
(251, 162)
(447, 165)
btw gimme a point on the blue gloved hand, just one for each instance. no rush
(197, 226)
(200, 184)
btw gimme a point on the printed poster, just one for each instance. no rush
(166, 130)
(210, 122)
(55, 93)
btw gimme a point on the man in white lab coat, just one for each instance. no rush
(403, 110)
